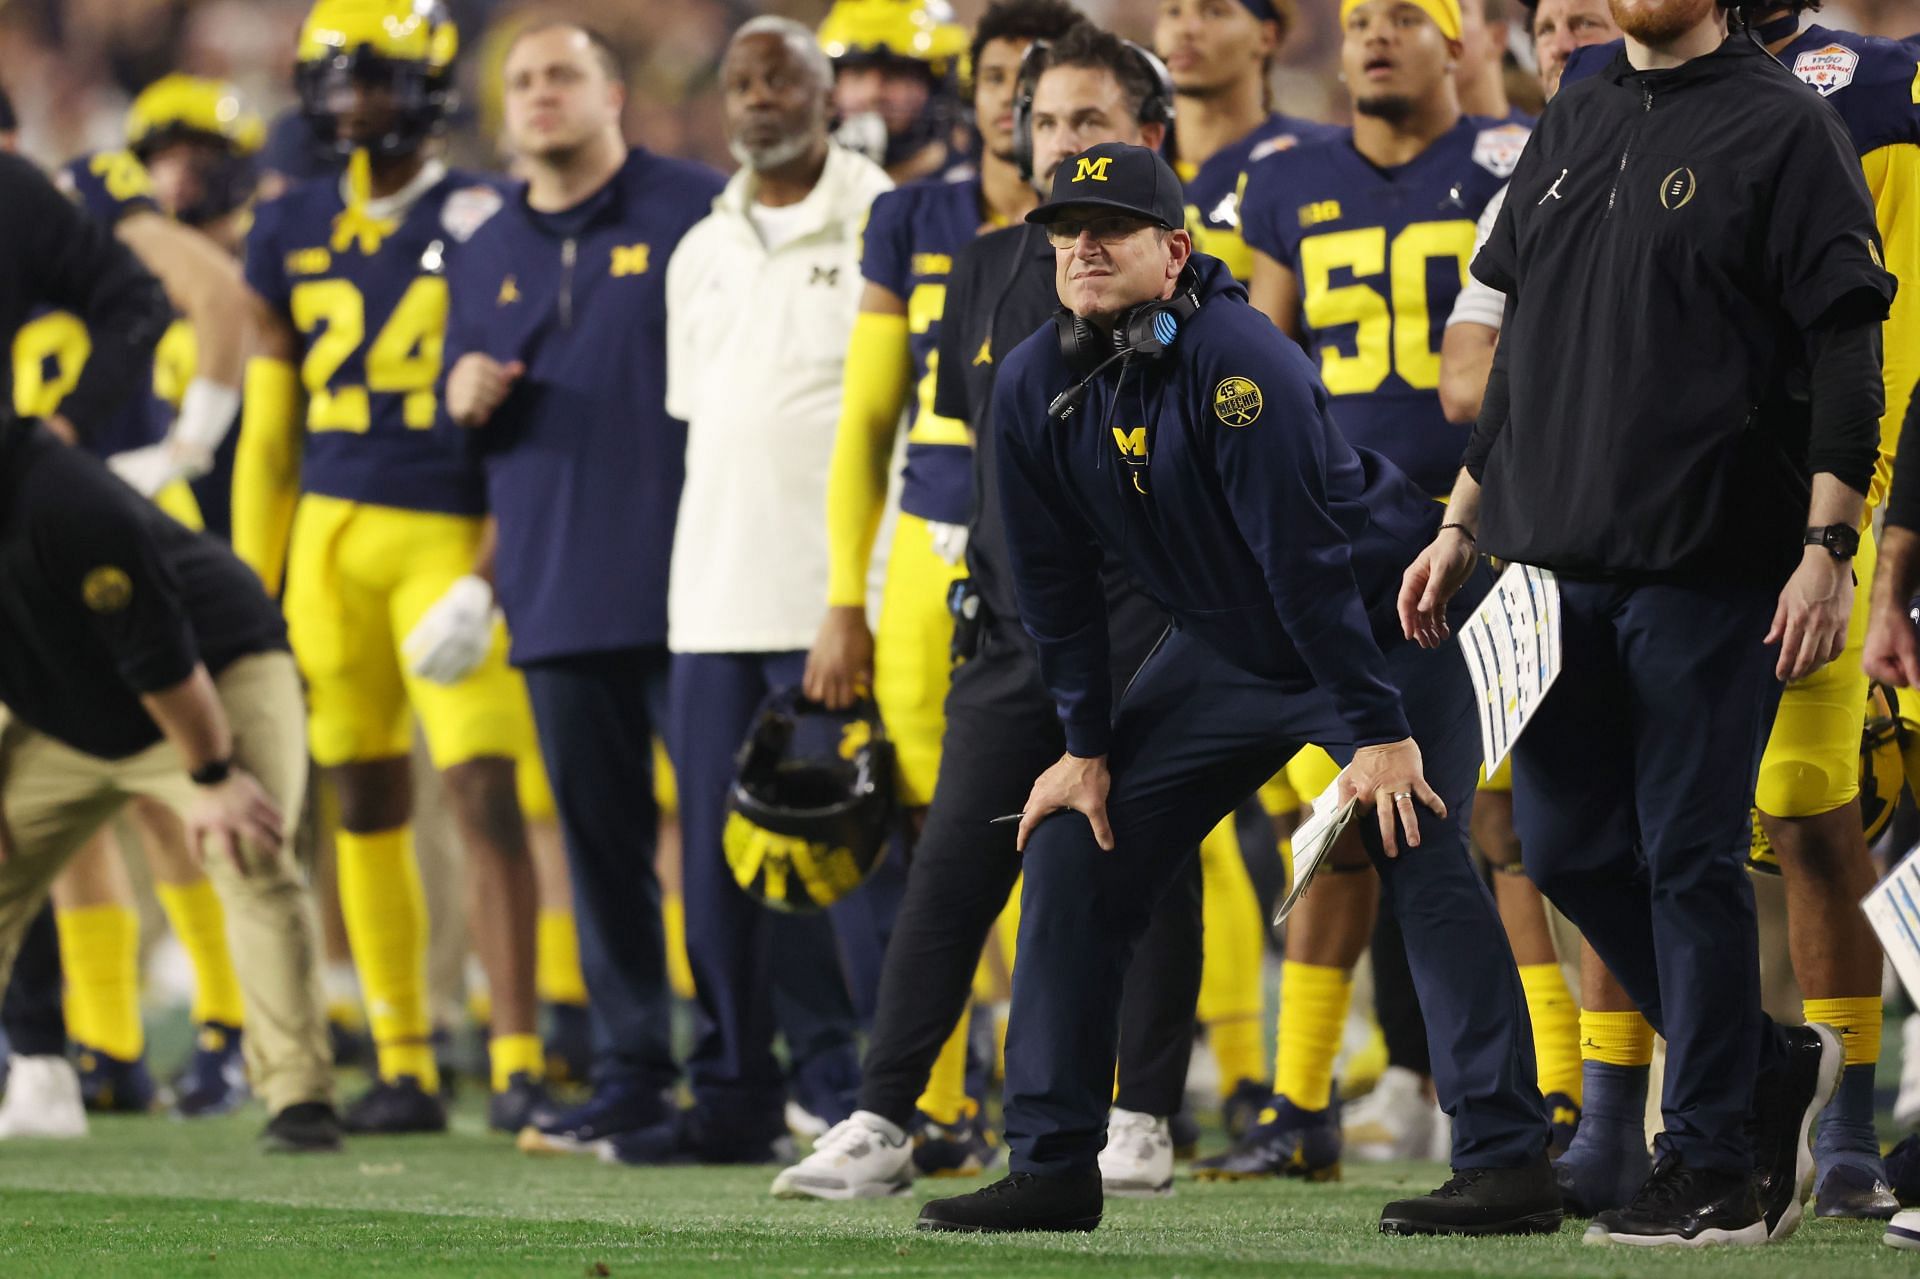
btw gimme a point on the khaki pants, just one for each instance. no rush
(55, 798)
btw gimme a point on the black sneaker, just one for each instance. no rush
(1021, 1201)
(305, 1128)
(1903, 1171)
(1685, 1208)
(1482, 1201)
(522, 1103)
(617, 1106)
(396, 1106)
(1563, 1119)
(1785, 1102)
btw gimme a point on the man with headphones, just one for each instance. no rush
(1085, 87)
(1277, 547)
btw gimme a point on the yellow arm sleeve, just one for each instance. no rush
(266, 469)
(1893, 177)
(879, 366)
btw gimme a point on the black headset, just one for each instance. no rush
(1155, 108)
(1147, 331)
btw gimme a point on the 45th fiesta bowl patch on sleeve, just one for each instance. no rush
(1237, 401)
(1827, 69)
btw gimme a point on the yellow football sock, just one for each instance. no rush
(1556, 1029)
(556, 960)
(1234, 945)
(945, 1100)
(100, 957)
(385, 910)
(1856, 1020)
(1237, 1050)
(1313, 1008)
(198, 921)
(673, 915)
(1616, 1039)
(511, 1055)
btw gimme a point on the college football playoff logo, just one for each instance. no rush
(1677, 189)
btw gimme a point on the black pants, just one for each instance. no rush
(596, 715)
(1395, 1001)
(1001, 734)
(31, 1015)
(1631, 793)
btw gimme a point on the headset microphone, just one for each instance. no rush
(1067, 401)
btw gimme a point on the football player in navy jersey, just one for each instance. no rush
(340, 482)
(1220, 54)
(1359, 246)
(911, 237)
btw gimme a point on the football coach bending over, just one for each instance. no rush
(1161, 417)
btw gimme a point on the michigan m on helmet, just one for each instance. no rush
(920, 33)
(403, 46)
(211, 113)
(812, 806)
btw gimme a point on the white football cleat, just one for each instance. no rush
(862, 1157)
(43, 1099)
(1394, 1121)
(1138, 1160)
(1903, 1231)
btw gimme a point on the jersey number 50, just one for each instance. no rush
(404, 359)
(1394, 337)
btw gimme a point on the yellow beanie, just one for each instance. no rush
(1445, 13)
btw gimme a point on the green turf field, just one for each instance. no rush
(152, 1196)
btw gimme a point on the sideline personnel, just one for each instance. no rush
(143, 660)
(1276, 644)
(1712, 217)
(556, 342)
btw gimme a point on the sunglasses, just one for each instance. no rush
(1108, 229)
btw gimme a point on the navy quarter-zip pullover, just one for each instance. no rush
(1219, 478)
(583, 462)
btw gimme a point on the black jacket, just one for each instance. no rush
(104, 597)
(55, 255)
(1675, 247)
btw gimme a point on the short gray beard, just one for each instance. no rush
(777, 156)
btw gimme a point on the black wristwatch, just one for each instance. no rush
(211, 773)
(1842, 541)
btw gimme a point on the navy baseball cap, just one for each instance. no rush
(1120, 178)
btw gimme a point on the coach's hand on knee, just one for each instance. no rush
(1391, 779)
(840, 664)
(231, 813)
(1074, 782)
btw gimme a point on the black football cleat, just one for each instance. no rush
(1021, 1201)
(306, 1128)
(1682, 1207)
(395, 1106)
(215, 1080)
(1286, 1142)
(1786, 1100)
(1240, 1110)
(114, 1085)
(523, 1103)
(1851, 1190)
(1563, 1119)
(1482, 1201)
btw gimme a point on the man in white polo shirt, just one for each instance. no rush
(761, 297)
